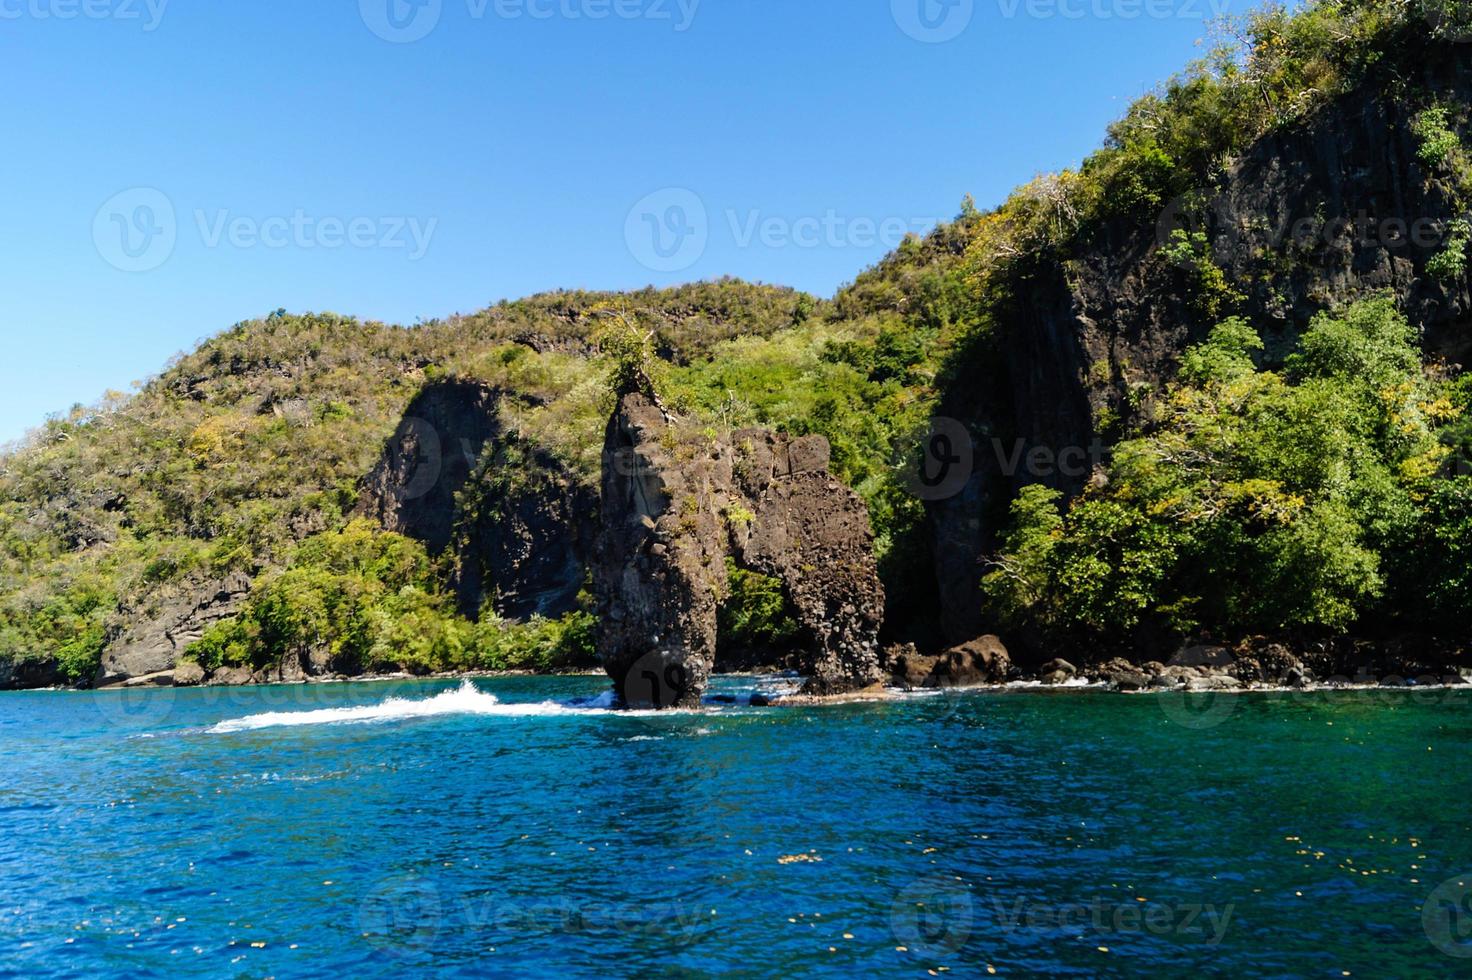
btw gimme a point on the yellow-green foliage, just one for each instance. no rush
(367, 601)
(256, 441)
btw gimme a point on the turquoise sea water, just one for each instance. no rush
(513, 829)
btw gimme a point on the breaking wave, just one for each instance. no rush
(467, 699)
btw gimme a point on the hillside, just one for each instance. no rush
(1242, 320)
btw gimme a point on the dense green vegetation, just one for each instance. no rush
(757, 624)
(1259, 501)
(1320, 493)
(369, 602)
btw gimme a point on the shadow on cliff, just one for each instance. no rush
(513, 525)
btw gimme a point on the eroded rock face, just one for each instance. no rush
(152, 640)
(518, 525)
(28, 675)
(429, 459)
(676, 504)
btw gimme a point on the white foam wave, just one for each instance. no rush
(466, 699)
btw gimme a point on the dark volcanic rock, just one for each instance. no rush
(517, 524)
(1204, 655)
(982, 661)
(429, 459)
(1057, 672)
(1269, 664)
(229, 677)
(1122, 675)
(676, 504)
(30, 675)
(1311, 216)
(908, 668)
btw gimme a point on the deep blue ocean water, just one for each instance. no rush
(511, 829)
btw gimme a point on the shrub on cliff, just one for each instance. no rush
(1256, 501)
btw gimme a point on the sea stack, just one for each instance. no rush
(677, 502)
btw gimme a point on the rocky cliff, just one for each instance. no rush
(1311, 216)
(676, 504)
(513, 525)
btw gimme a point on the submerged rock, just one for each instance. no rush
(676, 504)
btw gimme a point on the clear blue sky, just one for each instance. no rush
(516, 138)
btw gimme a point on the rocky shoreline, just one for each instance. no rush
(1258, 664)
(984, 663)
